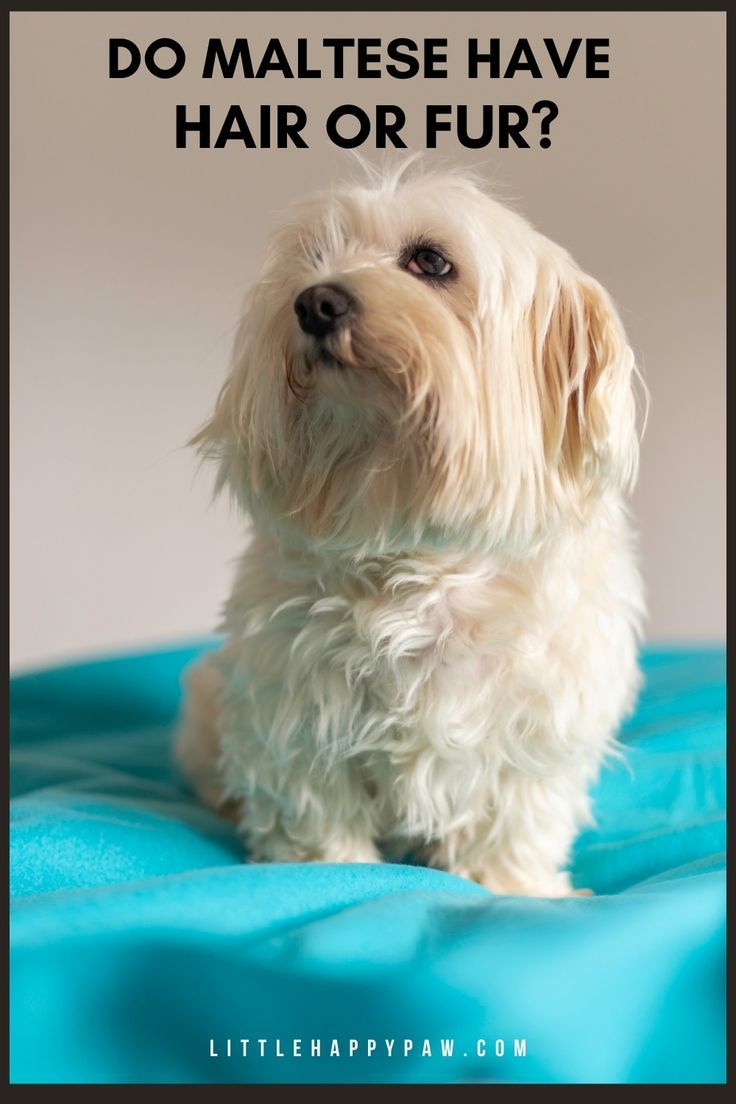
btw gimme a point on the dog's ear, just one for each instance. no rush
(216, 438)
(226, 438)
(585, 375)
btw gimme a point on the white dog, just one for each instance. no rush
(432, 636)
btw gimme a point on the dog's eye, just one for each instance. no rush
(428, 262)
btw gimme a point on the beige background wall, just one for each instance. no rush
(130, 257)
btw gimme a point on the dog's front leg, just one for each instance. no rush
(298, 803)
(522, 845)
(292, 820)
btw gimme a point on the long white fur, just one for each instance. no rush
(432, 636)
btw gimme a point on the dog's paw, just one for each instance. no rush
(555, 885)
(347, 853)
(278, 849)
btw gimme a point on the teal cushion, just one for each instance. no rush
(141, 942)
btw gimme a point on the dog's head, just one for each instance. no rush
(417, 367)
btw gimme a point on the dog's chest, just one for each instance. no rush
(415, 647)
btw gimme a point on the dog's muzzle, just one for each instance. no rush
(321, 309)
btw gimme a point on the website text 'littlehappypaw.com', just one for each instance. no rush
(399, 1048)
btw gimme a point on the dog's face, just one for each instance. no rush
(418, 368)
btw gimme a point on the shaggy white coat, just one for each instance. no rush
(432, 636)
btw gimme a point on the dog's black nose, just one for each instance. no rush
(322, 308)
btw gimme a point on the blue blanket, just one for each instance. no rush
(142, 944)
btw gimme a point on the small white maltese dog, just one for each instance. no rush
(432, 636)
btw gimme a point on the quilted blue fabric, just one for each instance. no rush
(142, 943)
